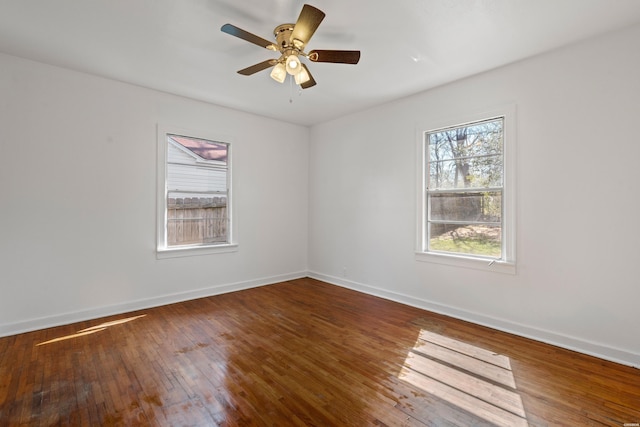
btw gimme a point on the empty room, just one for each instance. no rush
(273, 213)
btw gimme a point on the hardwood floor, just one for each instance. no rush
(302, 353)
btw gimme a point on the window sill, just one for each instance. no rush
(185, 251)
(467, 262)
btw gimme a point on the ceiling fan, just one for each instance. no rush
(291, 40)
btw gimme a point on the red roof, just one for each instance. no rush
(208, 150)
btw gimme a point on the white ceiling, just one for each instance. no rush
(407, 45)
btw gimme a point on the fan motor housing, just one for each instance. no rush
(283, 35)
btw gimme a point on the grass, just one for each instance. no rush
(468, 240)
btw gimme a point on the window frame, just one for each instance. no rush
(162, 249)
(507, 262)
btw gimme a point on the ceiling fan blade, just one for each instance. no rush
(335, 56)
(245, 35)
(307, 24)
(258, 67)
(311, 82)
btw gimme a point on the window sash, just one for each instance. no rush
(432, 191)
(196, 217)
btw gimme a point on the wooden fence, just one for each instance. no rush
(195, 220)
(479, 206)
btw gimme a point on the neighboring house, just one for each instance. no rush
(196, 168)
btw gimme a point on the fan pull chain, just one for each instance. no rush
(291, 85)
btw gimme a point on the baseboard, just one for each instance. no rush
(570, 343)
(8, 329)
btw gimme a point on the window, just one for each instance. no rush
(466, 193)
(194, 209)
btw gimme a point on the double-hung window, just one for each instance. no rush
(467, 209)
(194, 193)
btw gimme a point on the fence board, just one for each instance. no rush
(196, 220)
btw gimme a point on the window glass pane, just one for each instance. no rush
(467, 207)
(483, 240)
(197, 191)
(474, 172)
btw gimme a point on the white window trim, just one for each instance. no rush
(162, 250)
(507, 264)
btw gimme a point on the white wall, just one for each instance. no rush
(578, 205)
(77, 214)
(78, 198)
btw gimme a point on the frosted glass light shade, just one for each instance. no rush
(293, 64)
(279, 73)
(302, 76)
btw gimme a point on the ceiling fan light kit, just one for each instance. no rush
(291, 40)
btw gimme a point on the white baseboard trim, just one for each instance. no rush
(8, 329)
(570, 343)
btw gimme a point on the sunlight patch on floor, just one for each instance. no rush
(92, 330)
(473, 379)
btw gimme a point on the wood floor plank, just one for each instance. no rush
(302, 353)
